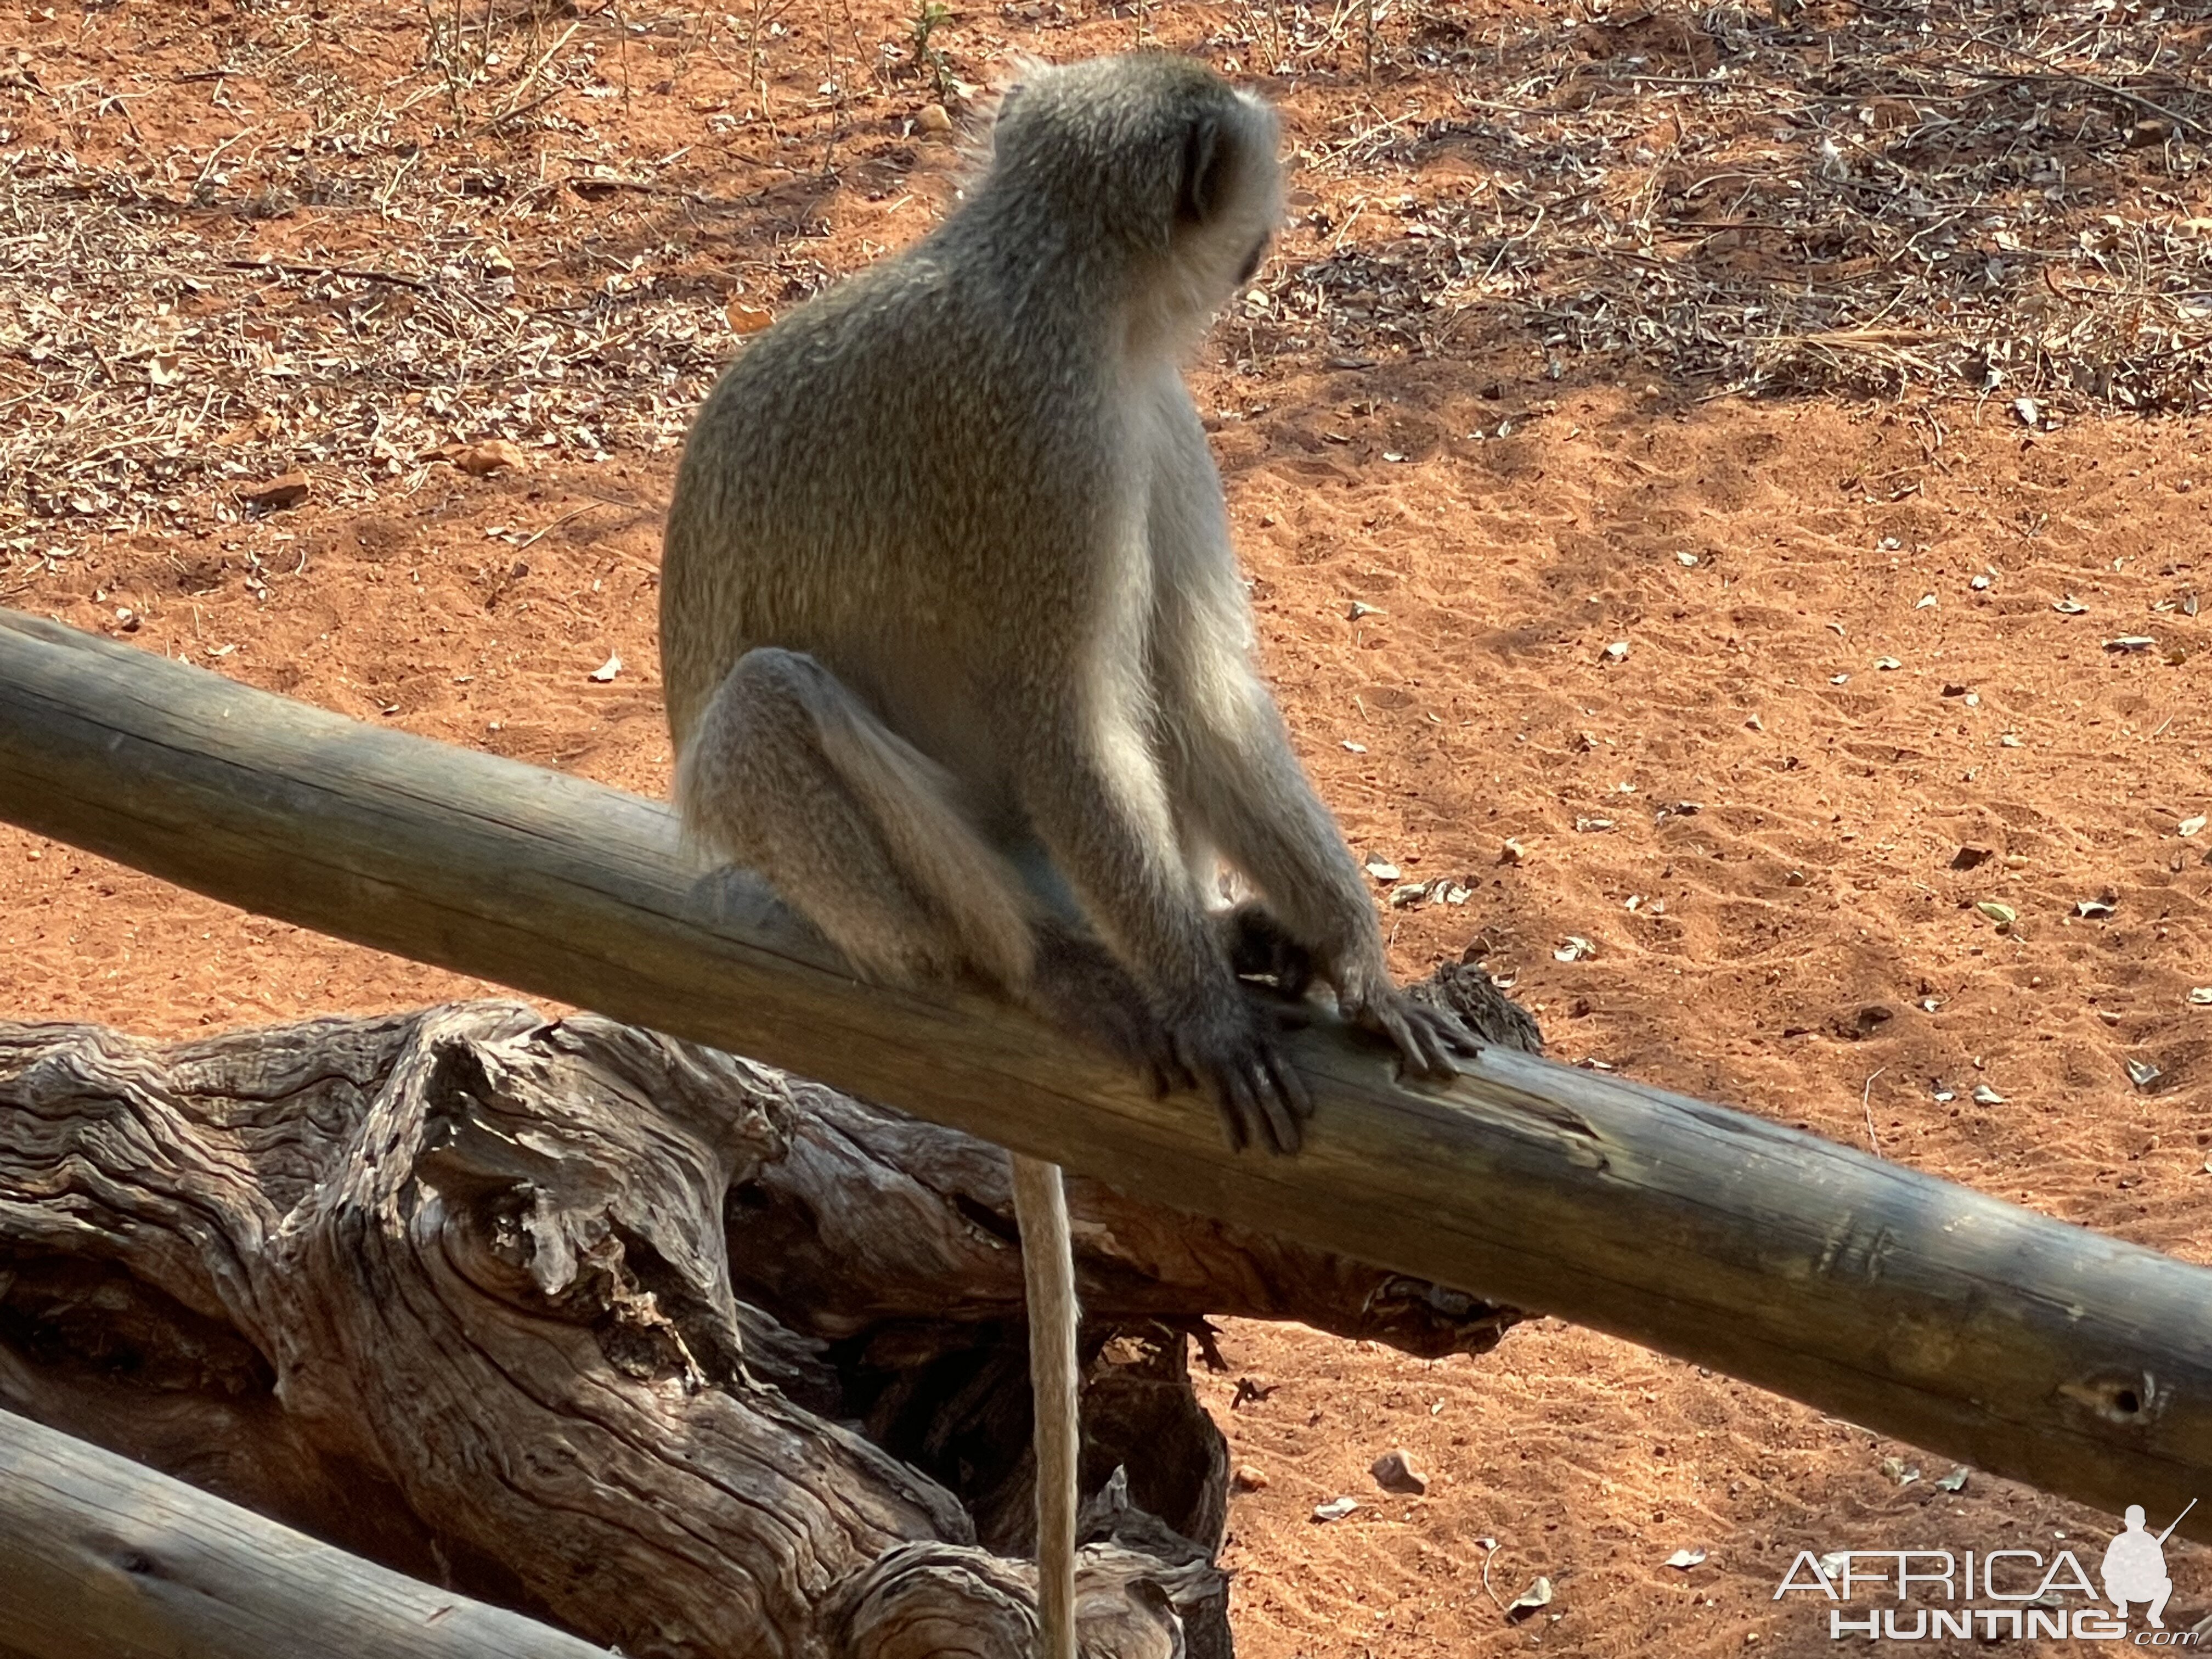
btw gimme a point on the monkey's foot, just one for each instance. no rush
(1235, 1053)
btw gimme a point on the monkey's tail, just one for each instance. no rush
(1048, 1276)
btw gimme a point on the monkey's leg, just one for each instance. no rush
(1049, 1277)
(790, 775)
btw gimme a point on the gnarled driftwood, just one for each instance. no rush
(662, 1345)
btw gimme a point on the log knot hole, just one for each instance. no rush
(2125, 1398)
(136, 1563)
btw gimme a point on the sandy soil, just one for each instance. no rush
(1845, 662)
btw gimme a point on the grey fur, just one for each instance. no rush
(961, 512)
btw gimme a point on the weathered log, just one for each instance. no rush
(104, 1558)
(2026, 1346)
(500, 1303)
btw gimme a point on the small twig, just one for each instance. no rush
(536, 536)
(1866, 1105)
(2052, 72)
(514, 105)
(354, 272)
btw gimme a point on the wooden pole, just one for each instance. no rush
(103, 1558)
(2024, 1346)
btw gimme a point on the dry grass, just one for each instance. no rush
(1959, 195)
(1973, 198)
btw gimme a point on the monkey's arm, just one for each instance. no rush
(1238, 781)
(1095, 797)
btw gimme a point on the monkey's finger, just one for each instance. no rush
(1400, 1021)
(1438, 1035)
(1291, 1084)
(1239, 1111)
(1284, 1096)
(1456, 1031)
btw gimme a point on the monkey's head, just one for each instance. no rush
(1149, 158)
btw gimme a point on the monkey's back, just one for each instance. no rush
(918, 431)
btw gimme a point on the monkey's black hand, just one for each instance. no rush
(1426, 1038)
(1259, 948)
(1232, 1053)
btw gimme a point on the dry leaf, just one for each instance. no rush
(493, 455)
(1538, 1595)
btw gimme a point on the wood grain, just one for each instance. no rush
(103, 1558)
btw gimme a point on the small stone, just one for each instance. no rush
(935, 118)
(1394, 1471)
(1335, 1510)
(1248, 1477)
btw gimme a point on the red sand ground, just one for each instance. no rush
(1801, 946)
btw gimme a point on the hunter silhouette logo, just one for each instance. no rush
(2134, 1567)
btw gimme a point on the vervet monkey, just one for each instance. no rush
(956, 656)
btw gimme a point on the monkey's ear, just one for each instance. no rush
(1205, 162)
